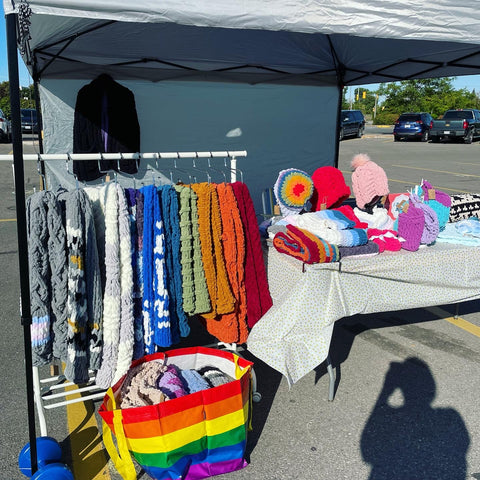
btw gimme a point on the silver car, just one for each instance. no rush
(5, 128)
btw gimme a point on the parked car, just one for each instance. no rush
(5, 128)
(462, 124)
(413, 125)
(29, 120)
(352, 123)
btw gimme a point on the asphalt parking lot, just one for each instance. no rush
(406, 402)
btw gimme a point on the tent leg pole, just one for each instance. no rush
(19, 180)
(337, 129)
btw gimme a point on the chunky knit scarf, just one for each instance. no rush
(156, 316)
(232, 327)
(117, 299)
(210, 229)
(170, 214)
(256, 284)
(48, 277)
(84, 306)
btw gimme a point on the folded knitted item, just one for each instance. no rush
(452, 234)
(379, 218)
(432, 228)
(335, 219)
(193, 381)
(410, 227)
(347, 237)
(297, 244)
(464, 205)
(214, 376)
(385, 239)
(367, 250)
(170, 383)
(347, 210)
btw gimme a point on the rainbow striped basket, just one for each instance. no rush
(191, 437)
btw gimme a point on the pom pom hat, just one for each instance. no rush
(369, 181)
(330, 189)
(292, 190)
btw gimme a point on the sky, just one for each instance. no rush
(469, 82)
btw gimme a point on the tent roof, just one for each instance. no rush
(253, 40)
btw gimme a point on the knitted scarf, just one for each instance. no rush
(156, 316)
(84, 308)
(133, 196)
(117, 299)
(210, 230)
(48, 277)
(232, 327)
(170, 215)
(256, 284)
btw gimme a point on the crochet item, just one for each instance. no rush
(439, 201)
(369, 249)
(48, 277)
(232, 327)
(169, 206)
(193, 381)
(330, 189)
(464, 206)
(214, 376)
(170, 383)
(348, 211)
(292, 190)
(256, 285)
(369, 181)
(385, 239)
(431, 229)
(377, 217)
(410, 227)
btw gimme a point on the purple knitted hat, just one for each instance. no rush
(432, 228)
(410, 227)
(441, 197)
(171, 384)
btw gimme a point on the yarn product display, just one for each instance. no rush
(232, 327)
(293, 189)
(214, 376)
(377, 218)
(369, 181)
(432, 228)
(439, 201)
(451, 234)
(297, 244)
(170, 383)
(47, 260)
(330, 189)
(326, 251)
(193, 381)
(392, 202)
(259, 299)
(464, 206)
(335, 219)
(410, 227)
(83, 332)
(385, 239)
(367, 250)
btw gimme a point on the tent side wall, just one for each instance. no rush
(280, 126)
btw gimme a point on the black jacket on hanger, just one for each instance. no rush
(105, 121)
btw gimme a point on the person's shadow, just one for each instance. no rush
(406, 438)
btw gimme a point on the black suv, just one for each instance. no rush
(352, 123)
(29, 120)
(413, 125)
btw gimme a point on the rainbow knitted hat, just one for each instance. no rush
(293, 190)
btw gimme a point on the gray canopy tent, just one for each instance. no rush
(261, 75)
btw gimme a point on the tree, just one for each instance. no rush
(27, 97)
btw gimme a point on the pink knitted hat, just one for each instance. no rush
(369, 181)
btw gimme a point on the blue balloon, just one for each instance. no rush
(48, 451)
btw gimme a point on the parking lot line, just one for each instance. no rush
(438, 171)
(8, 219)
(457, 321)
(89, 460)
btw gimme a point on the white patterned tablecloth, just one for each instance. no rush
(294, 336)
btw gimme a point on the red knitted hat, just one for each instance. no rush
(329, 188)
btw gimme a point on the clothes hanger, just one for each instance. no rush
(194, 167)
(216, 170)
(69, 158)
(234, 170)
(128, 175)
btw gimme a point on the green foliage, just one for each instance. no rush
(385, 118)
(27, 97)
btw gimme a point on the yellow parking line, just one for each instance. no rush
(438, 171)
(457, 321)
(88, 457)
(8, 219)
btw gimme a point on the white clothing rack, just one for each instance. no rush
(53, 392)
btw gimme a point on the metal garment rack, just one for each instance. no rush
(55, 391)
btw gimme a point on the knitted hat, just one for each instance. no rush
(439, 201)
(214, 376)
(410, 227)
(193, 381)
(292, 190)
(369, 181)
(171, 384)
(330, 189)
(431, 230)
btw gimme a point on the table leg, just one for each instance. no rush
(331, 385)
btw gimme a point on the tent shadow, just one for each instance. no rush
(405, 437)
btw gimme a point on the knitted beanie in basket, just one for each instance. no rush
(369, 181)
(330, 189)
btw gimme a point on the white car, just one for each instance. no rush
(5, 128)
